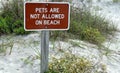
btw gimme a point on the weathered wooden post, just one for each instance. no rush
(44, 50)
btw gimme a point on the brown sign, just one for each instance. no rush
(46, 16)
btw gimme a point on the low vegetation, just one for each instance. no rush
(4, 46)
(71, 63)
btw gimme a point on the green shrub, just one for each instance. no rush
(18, 27)
(92, 35)
(3, 26)
(13, 14)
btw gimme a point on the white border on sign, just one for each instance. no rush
(47, 29)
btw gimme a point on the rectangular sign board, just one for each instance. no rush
(46, 16)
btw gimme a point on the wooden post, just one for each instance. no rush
(44, 50)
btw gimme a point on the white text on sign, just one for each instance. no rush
(47, 17)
